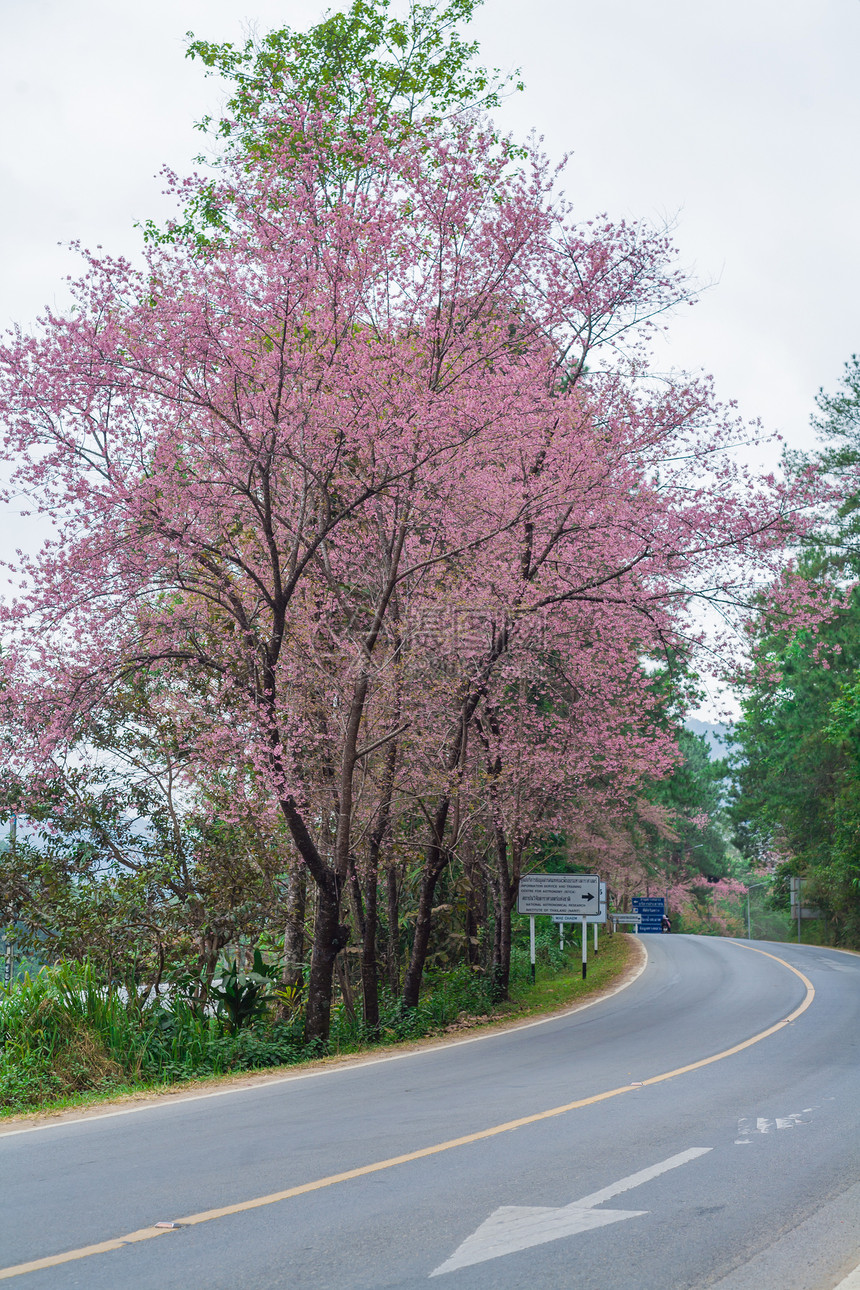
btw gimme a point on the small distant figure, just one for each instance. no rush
(665, 923)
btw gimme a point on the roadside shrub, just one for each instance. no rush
(66, 1032)
(60, 1033)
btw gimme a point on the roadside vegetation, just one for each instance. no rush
(796, 766)
(69, 1040)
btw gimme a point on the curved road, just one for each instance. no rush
(642, 1142)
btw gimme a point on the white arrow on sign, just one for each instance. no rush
(518, 1227)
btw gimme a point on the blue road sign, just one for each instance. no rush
(652, 909)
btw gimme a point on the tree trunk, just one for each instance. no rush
(433, 866)
(292, 976)
(356, 899)
(369, 965)
(504, 973)
(211, 942)
(435, 855)
(496, 959)
(476, 908)
(369, 969)
(502, 965)
(393, 949)
(329, 939)
(365, 910)
(421, 943)
(345, 989)
(328, 936)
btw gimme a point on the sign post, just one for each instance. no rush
(652, 909)
(617, 917)
(598, 917)
(584, 948)
(601, 914)
(564, 896)
(569, 895)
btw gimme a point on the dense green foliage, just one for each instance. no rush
(415, 65)
(797, 798)
(693, 795)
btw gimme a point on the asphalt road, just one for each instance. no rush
(739, 1171)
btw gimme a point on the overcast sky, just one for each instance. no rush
(737, 122)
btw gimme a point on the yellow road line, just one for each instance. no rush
(747, 1043)
(206, 1216)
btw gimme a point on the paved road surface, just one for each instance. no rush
(741, 1173)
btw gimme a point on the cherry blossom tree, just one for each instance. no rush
(271, 454)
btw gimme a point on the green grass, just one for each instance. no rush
(564, 986)
(66, 1041)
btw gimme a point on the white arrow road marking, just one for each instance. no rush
(517, 1227)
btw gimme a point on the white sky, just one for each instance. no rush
(737, 121)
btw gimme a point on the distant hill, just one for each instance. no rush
(714, 732)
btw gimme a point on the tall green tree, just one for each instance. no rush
(414, 67)
(838, 426)
(797, 765)
(403, 73)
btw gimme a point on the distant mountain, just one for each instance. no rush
(714, 732)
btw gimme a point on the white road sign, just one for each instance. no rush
(575, 895)
(598, 916)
